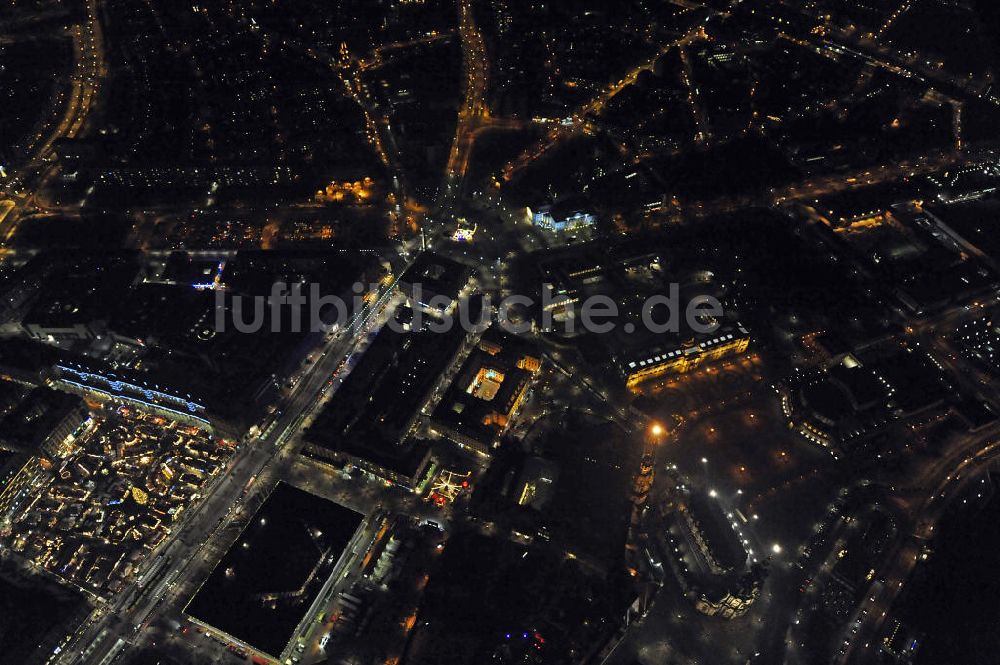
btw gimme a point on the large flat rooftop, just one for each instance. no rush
(372, 410)
(35, 615)
(268, 579)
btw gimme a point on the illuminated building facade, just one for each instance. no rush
(107, 385)
(551, 219)
(728, 604)
(685, 357)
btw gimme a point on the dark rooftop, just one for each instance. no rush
(863, 387)
(719, 535)
(437, 275)
(26, 427)
(371, 411)
(82, 288)
(255, 271)
(267, 580)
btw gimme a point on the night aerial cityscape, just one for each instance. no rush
(500, 332)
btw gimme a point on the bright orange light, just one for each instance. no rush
(656, 429)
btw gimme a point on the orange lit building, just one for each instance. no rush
(487, 392)
(357, 192)
(648, 364)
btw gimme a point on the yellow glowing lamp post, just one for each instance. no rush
(654, 436)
